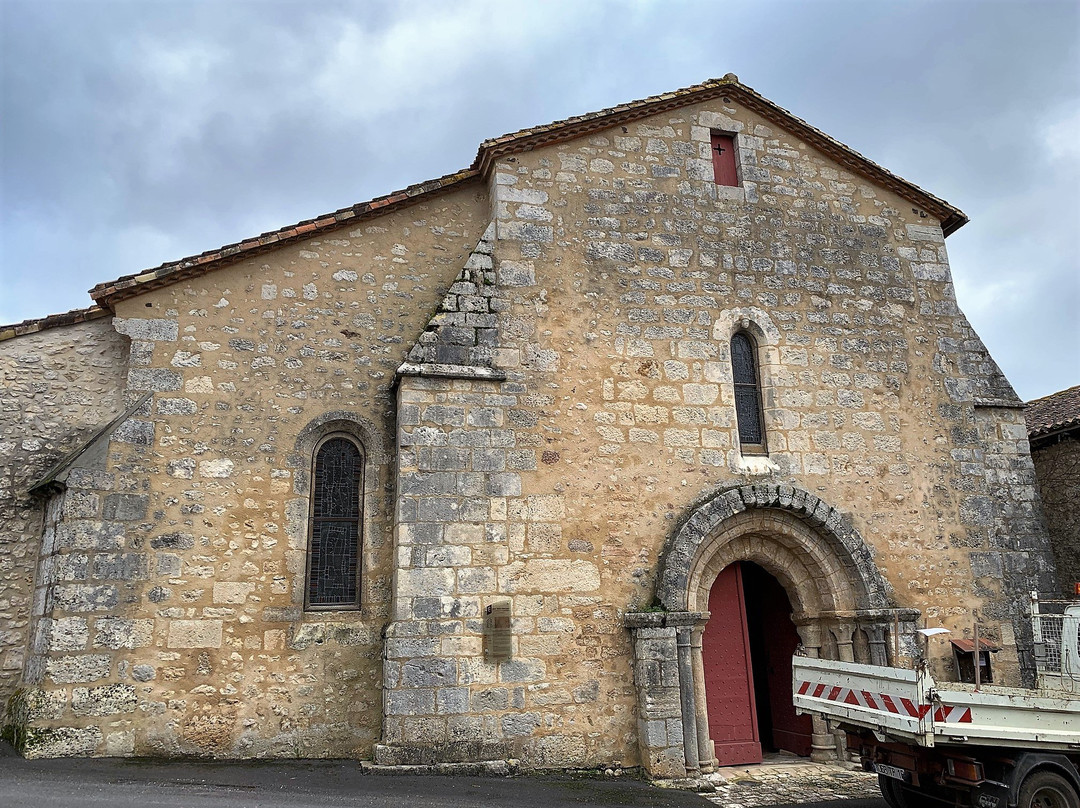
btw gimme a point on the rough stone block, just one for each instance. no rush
(452, 700)
(520, 724)
(429, 672)
(124, 507)
(85, 598)
(149, 330)
(232, 592)
(103, 700)
(82, 668)
(159, 380)
(68, 634)
(411, 701)
(121, 632)
(120, 566)
(195, 634)
(63, 742)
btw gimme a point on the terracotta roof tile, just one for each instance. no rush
(1053, 413)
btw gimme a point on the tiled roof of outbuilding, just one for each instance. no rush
(1053, 413)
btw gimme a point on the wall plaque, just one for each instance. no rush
(497, 645)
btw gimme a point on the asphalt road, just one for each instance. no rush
(127, 783)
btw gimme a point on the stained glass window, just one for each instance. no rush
(747, 393)
(336, 511)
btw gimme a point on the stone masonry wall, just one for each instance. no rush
(59, 385)
(639, 268)
(625, 270)
(1011, 551)
(207, 644)
(1057, 467)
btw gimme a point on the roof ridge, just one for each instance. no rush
(105, 294)
(1075, 387)
(171, 271)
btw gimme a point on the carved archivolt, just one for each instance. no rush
(810, 547)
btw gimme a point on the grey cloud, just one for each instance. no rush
(136, 133)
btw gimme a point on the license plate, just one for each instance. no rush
(895, 772)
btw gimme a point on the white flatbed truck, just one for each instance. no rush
(960, 744)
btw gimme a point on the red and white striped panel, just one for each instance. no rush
(952, 715)
(863, 698)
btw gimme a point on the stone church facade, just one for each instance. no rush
(524, 375)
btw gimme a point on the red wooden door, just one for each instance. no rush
(790, 732)
(729, 680)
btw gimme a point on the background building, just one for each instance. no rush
(1054, 431)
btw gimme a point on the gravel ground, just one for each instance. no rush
(791, 783)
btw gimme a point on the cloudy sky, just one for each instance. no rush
(135, 133)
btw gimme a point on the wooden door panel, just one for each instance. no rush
(729, 683)
(790, 732)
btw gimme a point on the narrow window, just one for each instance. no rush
(747, 394)
(723, 159)
(336, 518)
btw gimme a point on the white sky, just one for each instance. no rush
(135, 133)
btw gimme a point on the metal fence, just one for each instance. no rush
(1056, 628)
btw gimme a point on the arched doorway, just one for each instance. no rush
(747, 647)
(808, 549)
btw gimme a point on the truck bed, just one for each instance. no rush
(909, 705)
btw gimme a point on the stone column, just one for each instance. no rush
(879, 654)
(706, 757)
(687, 699)
(822, 743)
(843, 632)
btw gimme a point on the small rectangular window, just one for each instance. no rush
(723, 159)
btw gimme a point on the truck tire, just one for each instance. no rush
(1043, 789)
(892, 792)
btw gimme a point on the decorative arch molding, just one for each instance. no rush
(746, 318)
(839, 598)
(820, 544)
(349, 423)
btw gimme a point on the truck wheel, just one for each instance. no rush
(1047, 790)
(892, 791)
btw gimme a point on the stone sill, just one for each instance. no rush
(360, 615)
(450, 371)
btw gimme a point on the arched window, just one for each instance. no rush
(744, 373)
(333, 574)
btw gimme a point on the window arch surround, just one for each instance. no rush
(335, 525)
(746, 380)
(377, 463)
(765, 337)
